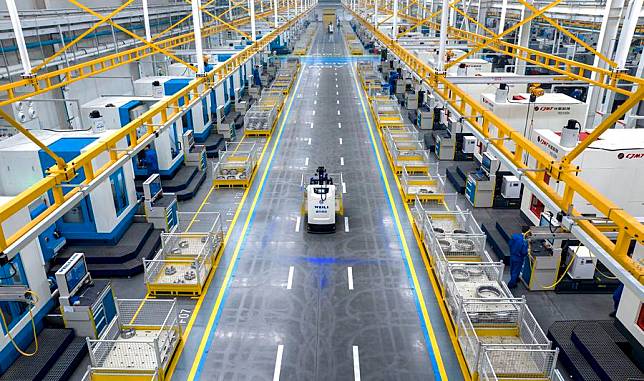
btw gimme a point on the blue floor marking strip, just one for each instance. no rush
(252, 219)
(430, 351)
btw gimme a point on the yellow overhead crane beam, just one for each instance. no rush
(607, 79)
(497, 132)
(164, 110)
(42, 83)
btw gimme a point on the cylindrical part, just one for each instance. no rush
(394, 31)
(570, 134)
(253, 33)
(443, 36)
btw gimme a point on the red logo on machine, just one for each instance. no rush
(638, 155)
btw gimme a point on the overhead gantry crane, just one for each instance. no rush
(611, 239)
(35, 81)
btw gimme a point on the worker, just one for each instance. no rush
(617, 296)
(518, 252)
(148, 159)
(257, 80)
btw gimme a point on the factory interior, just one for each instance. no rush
(321, 190)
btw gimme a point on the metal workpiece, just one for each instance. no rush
(289, 305)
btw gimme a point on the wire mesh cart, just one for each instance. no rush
(185, 260)
(236, 166)
(505, 346)
(139, 343)
(426, 186)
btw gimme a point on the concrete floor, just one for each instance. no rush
(252, 309)
(319, 319)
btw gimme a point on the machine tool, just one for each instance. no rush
(479, 188)
(87, 305)
(195, 154)
(320, 201)
(160, 207)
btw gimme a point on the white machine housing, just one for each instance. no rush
(36, 277)
(613, 165)
(145, 87)
(550, 111)
(21, 167)
(167, 145)
(584, 263)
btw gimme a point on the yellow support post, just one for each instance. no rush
(102, 21)
(607, 123)
(134, 35)
(60, 163)
(504, 33)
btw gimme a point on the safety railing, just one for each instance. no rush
(186, 258)
(482, 120)
(141, 340)
(168, 110)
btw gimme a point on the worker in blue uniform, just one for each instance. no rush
(256, 78)
(518, 252)
(148, 159)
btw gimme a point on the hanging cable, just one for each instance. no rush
(33, 326)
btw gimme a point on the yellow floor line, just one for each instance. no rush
(412, 269)
(433, 280)
(197, 308)
(228, 275)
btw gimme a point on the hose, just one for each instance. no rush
(33, 326)
(572, 259)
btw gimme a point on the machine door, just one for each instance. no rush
(119, 191)
(175, 144)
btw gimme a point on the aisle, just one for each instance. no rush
(298, 306)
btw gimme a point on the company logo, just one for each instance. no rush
(552, 108)
(548, 145)
(638, 155)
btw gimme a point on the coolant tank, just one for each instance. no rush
(501, 95)
(157, 90)
(96, 122)
(570, 134)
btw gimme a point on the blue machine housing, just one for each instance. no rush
(171, 87)
(51, 241)
(83, 229)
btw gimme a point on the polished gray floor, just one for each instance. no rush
(319, 320)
